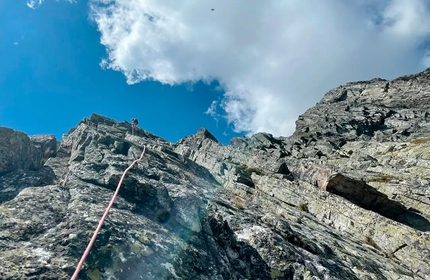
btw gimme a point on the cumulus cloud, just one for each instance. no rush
(273, 59)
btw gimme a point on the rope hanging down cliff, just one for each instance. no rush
(93, 239)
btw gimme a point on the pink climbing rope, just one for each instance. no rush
(93, 239)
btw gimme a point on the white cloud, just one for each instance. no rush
(273, 59)
(408, 19)
(33, 4)
(211, 111)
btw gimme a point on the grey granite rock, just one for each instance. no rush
(347, 196)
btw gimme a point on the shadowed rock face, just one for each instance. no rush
(18, 151)
(346, 197)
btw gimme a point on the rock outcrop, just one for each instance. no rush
(18, 151)
(347, 196)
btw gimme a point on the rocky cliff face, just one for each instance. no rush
(346, 197)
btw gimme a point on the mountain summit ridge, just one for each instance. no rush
(345, 197)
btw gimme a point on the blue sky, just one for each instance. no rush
(176, 65)
(50, 79)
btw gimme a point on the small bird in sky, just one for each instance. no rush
(212, 9)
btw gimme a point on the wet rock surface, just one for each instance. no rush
(347, 196)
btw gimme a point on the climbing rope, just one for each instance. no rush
(93, 239)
